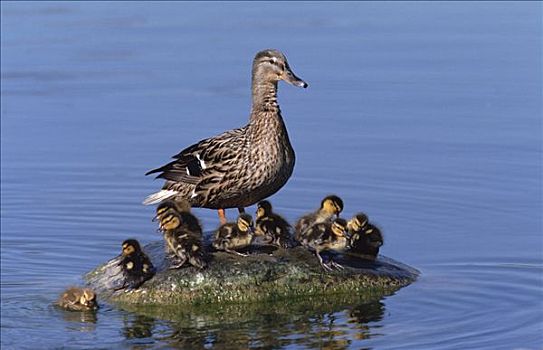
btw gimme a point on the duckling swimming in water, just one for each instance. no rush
(330, 206)
(327, 236)
(272, 226)
(183, 241)
(78, 299)
(366, 238)
(235, 235)
(135, 265)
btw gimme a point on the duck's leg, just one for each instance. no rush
(222, 217)
(234, 252)
(324, 266)
(336, 265)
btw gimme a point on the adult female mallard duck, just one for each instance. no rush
(239, 167)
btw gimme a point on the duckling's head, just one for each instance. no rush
(130, 246)
(339, 227)
(358, 222)
(271, 65)
(332, 204)
(88, 299)
(372, 229)
(245, 223)
(177, 204)
(263, 208)
(170, 221)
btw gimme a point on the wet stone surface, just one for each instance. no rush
(267, 274)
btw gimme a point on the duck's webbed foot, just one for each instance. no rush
(177, 263)
(228, 250)
(324, 266)
(335, 265)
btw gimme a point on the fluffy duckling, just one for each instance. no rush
(235, 235)
(357, 224)
(78, 299)
(135, 265)
(272, 226)
(182, 207)
(327, 236)
(330, 206)
(182, 243)
(366, 239)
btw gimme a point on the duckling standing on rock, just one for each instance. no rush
(135, 265)
(330, 206)
(183, 241)
(235, 235)
(366, 238)
(327, 236)
(272, 226)
(357, 224)
(242, 166)
(78, 299)
(177, 204)
(182, 207)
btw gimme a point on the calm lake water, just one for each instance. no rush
(427, 116)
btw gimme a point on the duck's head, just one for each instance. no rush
(130, 246)
(245, 223)
(263, 208)
(358, 222)
(177, 204)
(271, 65)
(332, 204)
(339, 227)
(169, 221)
(372, 229)
(88, 299)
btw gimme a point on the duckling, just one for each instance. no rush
(135, 265)
(182, 243)
(357, 224)
(272, 226)
(366, 239)
(235, 235)
(180, 206)
(330, 206)
(177, 203)
(327, 236)
(78, 299)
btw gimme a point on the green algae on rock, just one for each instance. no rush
(267, 274)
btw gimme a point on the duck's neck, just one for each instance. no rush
(264, 99)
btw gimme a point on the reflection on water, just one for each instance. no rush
(427, 116)
(313, 323)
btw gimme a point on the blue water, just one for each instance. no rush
(427, 116)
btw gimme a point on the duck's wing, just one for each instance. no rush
(204, 158)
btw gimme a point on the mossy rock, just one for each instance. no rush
(267, 274)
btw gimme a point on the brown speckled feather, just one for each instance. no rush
(241, 166)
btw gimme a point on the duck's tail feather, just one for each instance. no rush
(159, 196)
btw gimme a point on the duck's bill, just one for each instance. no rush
(291, 78)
